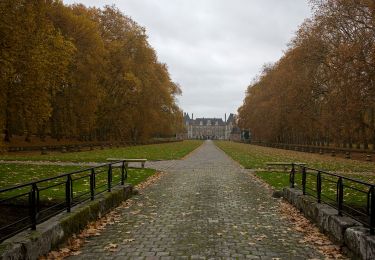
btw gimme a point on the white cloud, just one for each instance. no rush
(213, 48)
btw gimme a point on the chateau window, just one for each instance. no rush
(201, 123)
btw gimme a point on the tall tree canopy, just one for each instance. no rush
(322, 90)
(78, 72)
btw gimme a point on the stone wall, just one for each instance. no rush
(53, 232)
(345, 231)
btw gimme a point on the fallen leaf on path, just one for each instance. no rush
(72, 246)
(75, 253)
(150, 180)
(111, 247)
(311, 233)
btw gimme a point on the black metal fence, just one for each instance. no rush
(26, 205)
(84, 146)
(367, 154)
(351, 197)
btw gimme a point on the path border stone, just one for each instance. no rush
(345, 231)
(53, 232)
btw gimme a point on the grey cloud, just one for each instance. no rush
(213, 48)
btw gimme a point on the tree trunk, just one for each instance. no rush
(7, 131)
(6, 135)
(27, 137)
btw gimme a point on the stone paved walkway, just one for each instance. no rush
(206, 206)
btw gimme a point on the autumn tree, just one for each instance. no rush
(78, 72)
(36, 58)
(322, 89)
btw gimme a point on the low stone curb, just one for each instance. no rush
(53, 232)
(343, 230)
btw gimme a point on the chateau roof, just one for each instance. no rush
(231, 118)
(209, 121)
(206, 121)
(186, 116)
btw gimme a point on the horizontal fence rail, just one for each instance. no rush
(26, 205)
(83, 146)
(351, 197)
(365, 154)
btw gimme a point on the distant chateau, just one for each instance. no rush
(212, 128)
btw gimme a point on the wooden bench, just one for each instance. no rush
(283, 164)
(127, 161)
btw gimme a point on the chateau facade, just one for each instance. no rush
(210, 128)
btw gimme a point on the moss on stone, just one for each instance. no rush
(94, 209)
(3, 248)
(75, 221)
(35, 234)
(79, 218)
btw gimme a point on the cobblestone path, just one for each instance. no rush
(206, 206)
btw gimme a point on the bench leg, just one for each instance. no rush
(143, 165)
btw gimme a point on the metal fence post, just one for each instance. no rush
(123, 173)
(92, 184)
(109, 179)
(291, 178)
(372, 213)
(126, 170)
(340, 195)
(68, 193)
(319, 186)
(32, 203)
(37, 200)
(368, 206)
(304, 180)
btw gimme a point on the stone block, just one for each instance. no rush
(324, 213)
(343, 230)
(277, 194)
(308, 206)
(291, 195)
(359, 241)
(337, 226)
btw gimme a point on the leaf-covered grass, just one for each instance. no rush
(280, 180)
(166, 151)
(256, 157)
(14, 174)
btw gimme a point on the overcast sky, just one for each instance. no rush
(214, 48)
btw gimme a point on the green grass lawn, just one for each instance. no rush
(52, 194)
(166, 151)
(255, 157)
(280, 180)
(14, 174)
